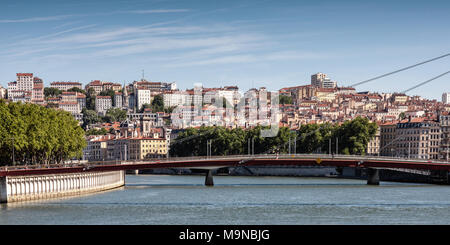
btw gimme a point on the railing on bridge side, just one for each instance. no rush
(86, 164)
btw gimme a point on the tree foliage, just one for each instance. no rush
(353, 137)
(225, 141)
(157, 104)
(285, 99)
(115, 115)
(90, 117)
(75, 89)
(38, 135)
(94, 131)
(90, 99)
(51, 92)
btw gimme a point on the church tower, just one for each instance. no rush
(125, 97)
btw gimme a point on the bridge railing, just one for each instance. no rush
(87, 165)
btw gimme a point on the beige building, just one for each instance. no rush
(299, 93)
(325, 94)
(2, 92)
(387, 138)
(70, 106)
(373, 147)
(418, 138)
(444, 120)
(64, 86)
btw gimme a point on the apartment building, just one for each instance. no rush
(2, 92)
(102, 104)
(444, 121)
(64, 86)
(99, 86)
(373, 147)
(411, 138)
(446, 98)
(26, 88)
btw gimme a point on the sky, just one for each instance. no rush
(248, 43)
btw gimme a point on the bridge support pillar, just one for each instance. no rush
(3, 190)
(209, 178)
(373, 176)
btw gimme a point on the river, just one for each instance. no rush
(184, 200)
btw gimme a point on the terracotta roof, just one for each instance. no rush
(25, 74)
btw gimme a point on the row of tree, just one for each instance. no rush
(31, 134)
(352, 137)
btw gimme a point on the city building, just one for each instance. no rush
(26, 88)
(317, 78)
(388, 138)
(155, 86)
(320, 80)
(444, 121)
(102, 104)
(99, 86)
(373, 147)
(143, 96)
(175, 98)
(3, 92)
(118, 100)
(411, 138)
(64, 86)
(70, 106)
(446, 98)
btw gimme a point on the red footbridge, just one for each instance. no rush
(371, 164)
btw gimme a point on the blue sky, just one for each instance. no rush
(248, 43)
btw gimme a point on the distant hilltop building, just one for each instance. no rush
(100, 86)
(2, 92)
(27, 88)
(321, 80)
(446, 98)
(64, 86)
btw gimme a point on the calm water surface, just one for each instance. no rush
(184, 200)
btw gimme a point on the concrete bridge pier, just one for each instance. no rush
(209, 178)
(373, 176)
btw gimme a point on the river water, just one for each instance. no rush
(184, 200)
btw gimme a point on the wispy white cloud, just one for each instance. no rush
(36, 19)
(61, 17)
(155, 11)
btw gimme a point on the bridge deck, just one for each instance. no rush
(232, 161)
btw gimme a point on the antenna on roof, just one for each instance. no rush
(143, 74)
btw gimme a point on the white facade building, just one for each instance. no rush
(26, 89)
(2, 92)
(446, 98)
(102, 104)
(64, 86)
(143, 96)
(175, 98)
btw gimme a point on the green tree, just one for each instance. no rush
(90, 99)
(115, 115)
(90, 117)
(354, 135)
(94, 131)
(157, 104)
(38, 135)
(145, 106)
(285, 99)
(75, 89)
(51, 92)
